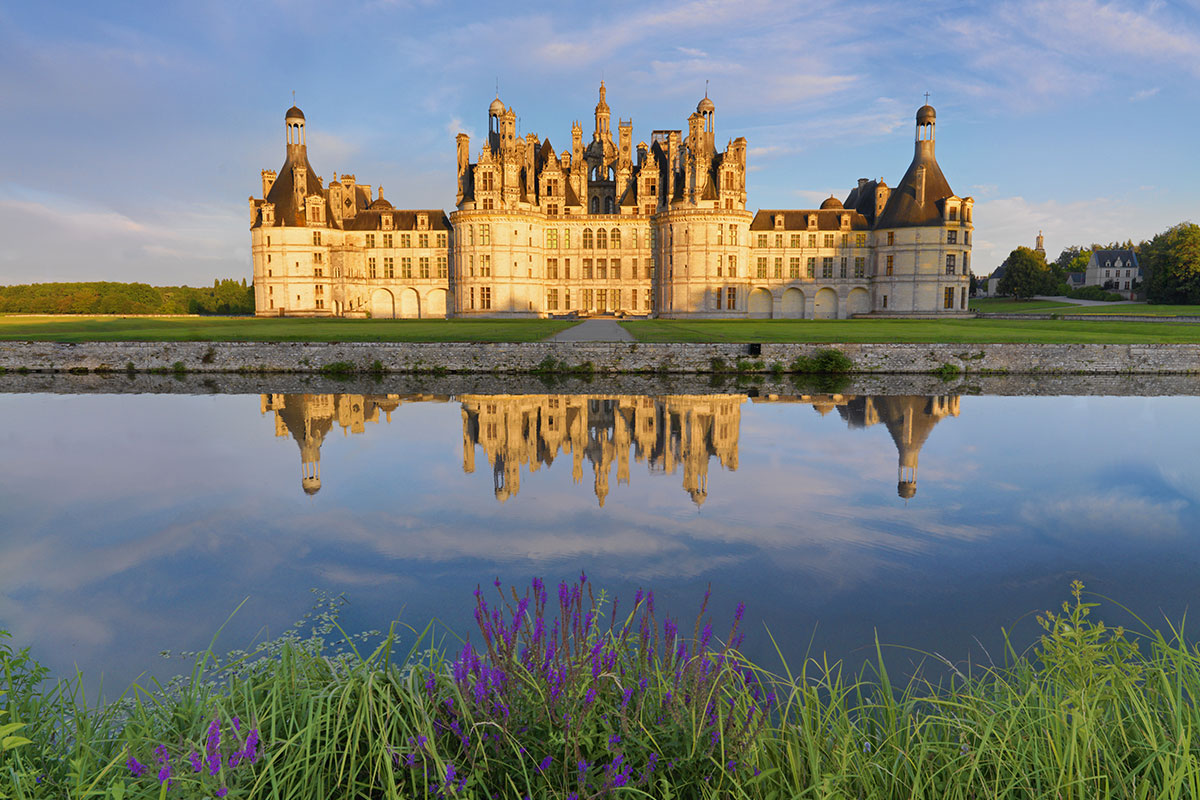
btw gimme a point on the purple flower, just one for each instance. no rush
(251, 749)
(614, 739)
(135, 767)
(590, 697)
(164, 774)
(741, 609)
(582, 577)
(222, 791)
(237, 724)
(450, 773)
(197, 763)
(160, 753)
(546, 762)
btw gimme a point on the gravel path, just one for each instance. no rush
(594, 330)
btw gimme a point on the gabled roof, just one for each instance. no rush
(796, 220)
(405, 220)
(283, 194)
(1126, 255)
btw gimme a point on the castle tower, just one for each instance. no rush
(1041, 245)
(296, 147)
(602, 132)
(495, 122)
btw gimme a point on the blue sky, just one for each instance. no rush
(134, 132)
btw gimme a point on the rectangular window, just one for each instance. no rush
(567, 268)
(318, 257)
(795, 240)
(966, 263)
(733, 234)
(552, 239)
(812, 240)
(720, 235)
(389, 267)
(633, 300)
(485, 297)
(733, 266)
(616, 268)
(842, 271)
(649, 269)
(953, 213)
(441, 240)
(828, 240)
(587, 269)
(320, 303)
(962, 297)
(319, 289)
(387, 240)
(423, 240)
(552, 299)
(405, 267)
(485, 234)
(472, 306)
(885, 301)
(552, 268)
(370, 240)
(406, 240)
(424, 264)
(890, 263)
(891, 237)
(566, 299)
(760, 270)
(566, 238)
(318, 272)
(794, 267)
(602, 299)
(827, 267)
(442, 267)
(720, 269)
(601, 269)
(589, 300)
(761, 240)
(860, 239)
(316, 237)
(779, 240)
(779, 268)
(951, 267)
(485, 266)
(730, 298)
(371, 268)
(860, 266)
(811, 268)
(647, 299)
(951, 237)
(948, 298)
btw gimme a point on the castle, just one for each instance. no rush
(660, 229)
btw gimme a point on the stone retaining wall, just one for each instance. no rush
(603, 357)
(1093, 317)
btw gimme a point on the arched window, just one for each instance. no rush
(608, 205)
(615, 238)
(587, 235)
(601, 239)
(595, 205)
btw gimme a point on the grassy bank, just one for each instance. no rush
(564, 695)
(967, 331)
(1005, 305)
(251, 329)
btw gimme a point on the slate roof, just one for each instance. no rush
(797, 220)
(904, 208)
(371, 220)
(283, 195)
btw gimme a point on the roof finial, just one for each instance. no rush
(927, 98)
(293, 97)
(497, 86)
(706, 87)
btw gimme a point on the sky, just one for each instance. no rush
(134, 132)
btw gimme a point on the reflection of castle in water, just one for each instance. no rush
(308, 417)
(665, 432)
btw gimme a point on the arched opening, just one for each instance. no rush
(383, 305)
(792, 306)
(825, 305)
(608, 205)
(410, 304)
(858, 302)
(595, 208)
(435, 304)
(759, 304)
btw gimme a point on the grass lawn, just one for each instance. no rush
(251, 329)
(1139, 309)
(911, 330)
(1003, 305)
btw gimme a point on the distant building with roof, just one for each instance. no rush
(1114, 270)
(659, 229)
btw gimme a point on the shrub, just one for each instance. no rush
(1093, 293)
(338, 369)
(947, 372)
(826, 361)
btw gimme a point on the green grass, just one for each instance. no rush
(1140, 309)
(1003, 305)
(250, 329)
(1089, 711)
(967, 331)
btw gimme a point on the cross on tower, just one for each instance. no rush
(927, 98)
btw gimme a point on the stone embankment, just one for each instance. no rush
(590, 357)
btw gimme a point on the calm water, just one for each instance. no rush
(130, 524)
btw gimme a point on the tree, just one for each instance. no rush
(1025, 275)
(1172, 264)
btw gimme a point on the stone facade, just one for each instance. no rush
(660, 229)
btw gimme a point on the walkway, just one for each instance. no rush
(1078, 302)
(594, 330)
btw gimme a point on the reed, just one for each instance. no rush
(565, 695)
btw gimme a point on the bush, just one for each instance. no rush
(1093, 293)
(827, 361)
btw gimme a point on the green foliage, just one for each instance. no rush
(1026, 274)
(179, 368)
(338, 369)
(717, 365)
(104, 297)
(947, 372)
(1093, 293)
(826, 361)
(1172, 264)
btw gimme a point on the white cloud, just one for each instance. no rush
(1144, 94)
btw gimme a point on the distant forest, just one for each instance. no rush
(102, 297)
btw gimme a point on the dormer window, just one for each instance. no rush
(812, 222)
(953, 213)
(845, 220)
(422, 222)
(779, 222)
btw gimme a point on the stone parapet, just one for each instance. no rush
(597, 357)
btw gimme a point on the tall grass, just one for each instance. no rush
(564, 695)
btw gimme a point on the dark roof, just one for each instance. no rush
(283, 195)
(569, 196)
(862, 198)
(926, 113)
(797, 220)
(380, 204)
(406, 220)
(293, 112)
(904, 208)
(831, 202)
(1076, 277)
(1125, 255)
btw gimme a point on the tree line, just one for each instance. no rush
(105, 297)
(1170, 263)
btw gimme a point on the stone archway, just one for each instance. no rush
(759, 303)
(858, 302)
(825, 306)
(792, 306)
(410, 304)
(383, 305)
(435, 304)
